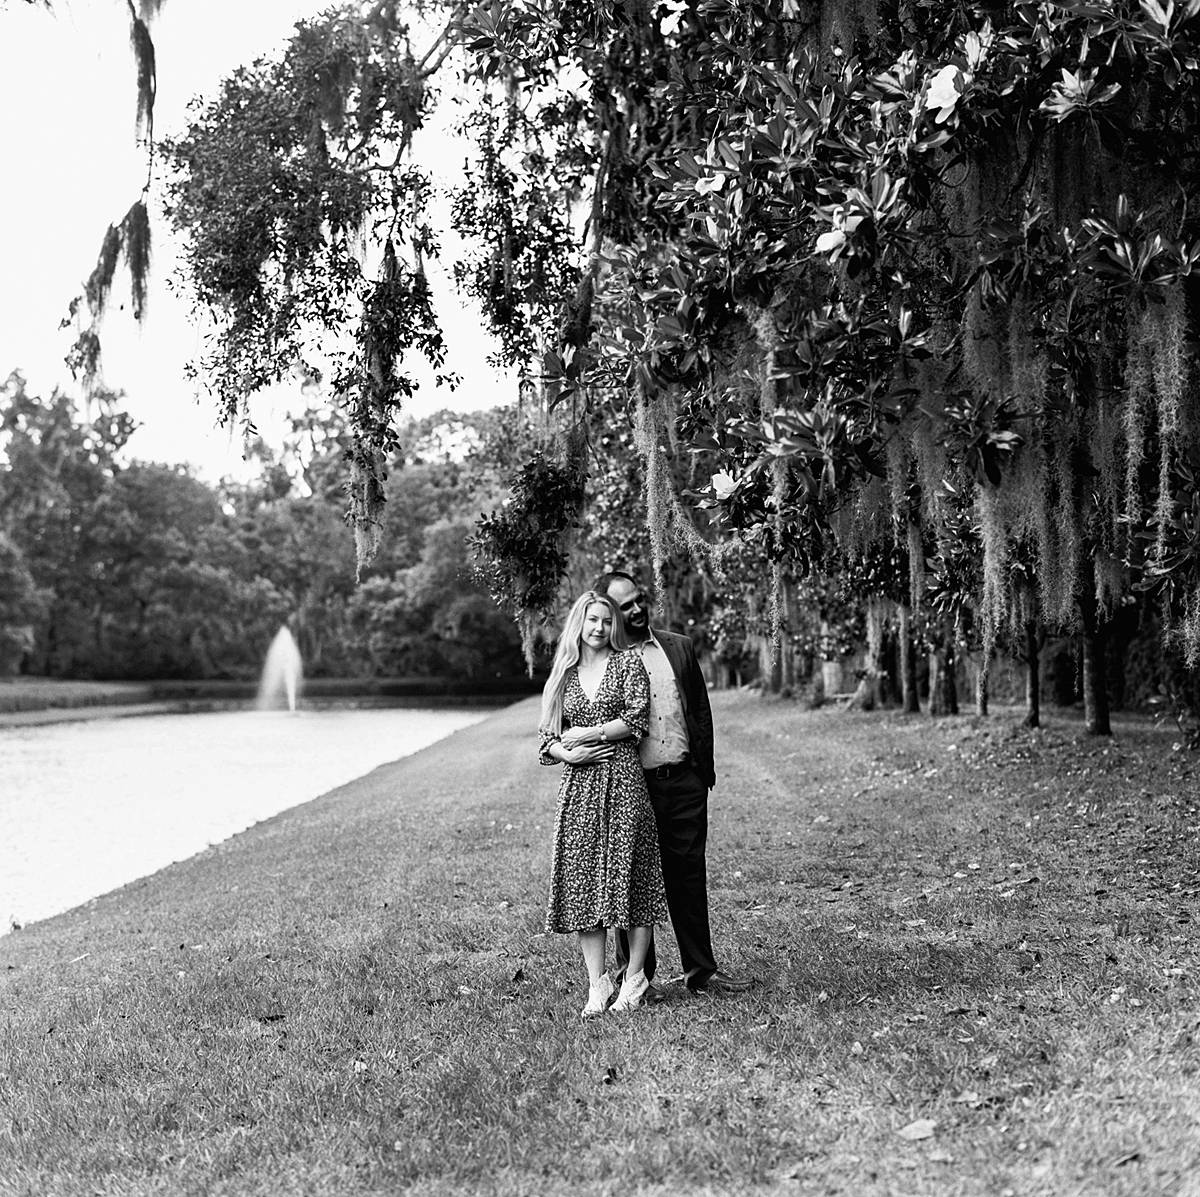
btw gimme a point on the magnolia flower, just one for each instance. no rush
(723, 485)
(828, 242)
(943, 92)
(976, 46)
(673, 19)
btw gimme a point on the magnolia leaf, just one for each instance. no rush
(1157, 13)
(922, 1128)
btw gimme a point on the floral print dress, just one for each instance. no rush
(606, 870)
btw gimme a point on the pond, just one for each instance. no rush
(86, 807)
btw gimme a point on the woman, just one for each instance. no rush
(606, 870)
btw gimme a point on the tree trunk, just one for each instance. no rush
(867, 696)
(943, 689)
(1095, 679)
(831, 668)
(981, 684)
(889, 679)
(910, 701)
(770, 664)
(1033, 675)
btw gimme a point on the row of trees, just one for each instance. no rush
(919, 282)
(113, 568)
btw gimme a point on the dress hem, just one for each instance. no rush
(601, 926)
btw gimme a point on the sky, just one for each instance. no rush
(69, 167)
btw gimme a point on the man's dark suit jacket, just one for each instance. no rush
(693, 693)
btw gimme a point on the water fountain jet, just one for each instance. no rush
(282, 672)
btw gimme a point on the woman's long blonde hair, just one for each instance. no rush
(567, 654)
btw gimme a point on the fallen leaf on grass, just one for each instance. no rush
(922, 1128)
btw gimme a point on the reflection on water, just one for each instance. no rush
(86, 807)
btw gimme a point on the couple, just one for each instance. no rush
(626, 712)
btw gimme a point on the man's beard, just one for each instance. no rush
(639, 630)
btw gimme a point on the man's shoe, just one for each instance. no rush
(653, 995)
(720, 982)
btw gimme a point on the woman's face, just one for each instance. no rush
(597, 625)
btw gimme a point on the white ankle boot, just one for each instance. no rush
(633, 989)
(598, 996)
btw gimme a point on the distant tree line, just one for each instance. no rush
(117, 568)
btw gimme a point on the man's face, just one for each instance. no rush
(632, 603)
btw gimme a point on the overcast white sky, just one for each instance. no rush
(69, 167)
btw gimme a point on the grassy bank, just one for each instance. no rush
(24, 694)
(40, 694)
(976, 945)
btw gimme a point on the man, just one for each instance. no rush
(677, 756)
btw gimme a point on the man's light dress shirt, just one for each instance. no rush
(667, 741)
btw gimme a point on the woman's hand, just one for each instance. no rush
(576, 737)
(587, 754)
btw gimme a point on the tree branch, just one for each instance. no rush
(451, 25)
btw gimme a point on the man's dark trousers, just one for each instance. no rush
(680, 802)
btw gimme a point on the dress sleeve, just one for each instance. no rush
(635, 687)
(546, 739)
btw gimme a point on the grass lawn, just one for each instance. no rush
(977, 952)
